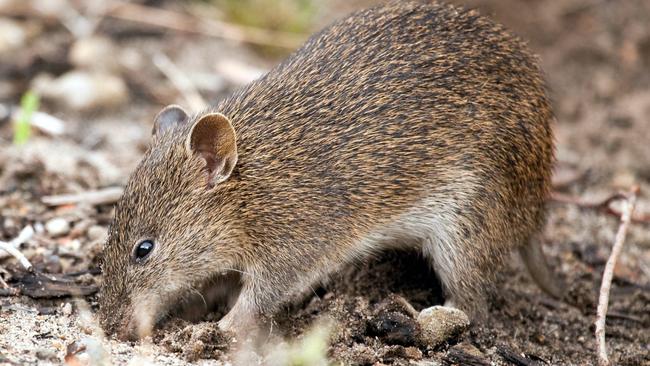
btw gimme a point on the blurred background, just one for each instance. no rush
(80, 83)
(95, 67)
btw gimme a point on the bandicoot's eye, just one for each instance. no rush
(142, 250)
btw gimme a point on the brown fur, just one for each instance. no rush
(396, 117)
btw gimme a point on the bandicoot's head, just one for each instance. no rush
(173, 233)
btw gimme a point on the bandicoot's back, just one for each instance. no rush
(392, 110)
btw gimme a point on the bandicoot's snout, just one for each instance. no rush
(133, 317)
(132, 324)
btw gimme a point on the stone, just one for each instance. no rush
(12, 35)
(439, 324)
(57, 227)
(82, 90)
(97, 233)
(94, 53)
(66, 309)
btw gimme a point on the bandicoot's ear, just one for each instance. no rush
(168, 117)
(212, 138)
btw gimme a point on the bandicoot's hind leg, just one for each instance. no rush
(535, 261)
(462, 280)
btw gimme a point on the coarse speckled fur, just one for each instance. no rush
(406, 125)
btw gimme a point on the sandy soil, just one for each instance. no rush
(596, 55)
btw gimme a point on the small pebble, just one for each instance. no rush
(94, 53)
(439, 324)
(10, 224)
(57, 227)
(39, 228)
(97, 233)
(82, 90)
(12, 34)
(71, 247)
(66, 309)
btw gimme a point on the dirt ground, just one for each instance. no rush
(596, 55)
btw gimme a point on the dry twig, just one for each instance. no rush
(81, 24)
(603, 206)
(608, 274)
(99, 197)
(182, 83)
(208, 27)
(564, 175)
(11, 248)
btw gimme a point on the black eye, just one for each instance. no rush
(142, 250)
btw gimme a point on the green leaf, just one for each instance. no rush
(22, 127)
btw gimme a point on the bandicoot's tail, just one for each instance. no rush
(535, 261)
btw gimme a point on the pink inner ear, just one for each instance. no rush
(213, 165)
(213, 139)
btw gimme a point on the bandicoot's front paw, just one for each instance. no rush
(240, 325)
